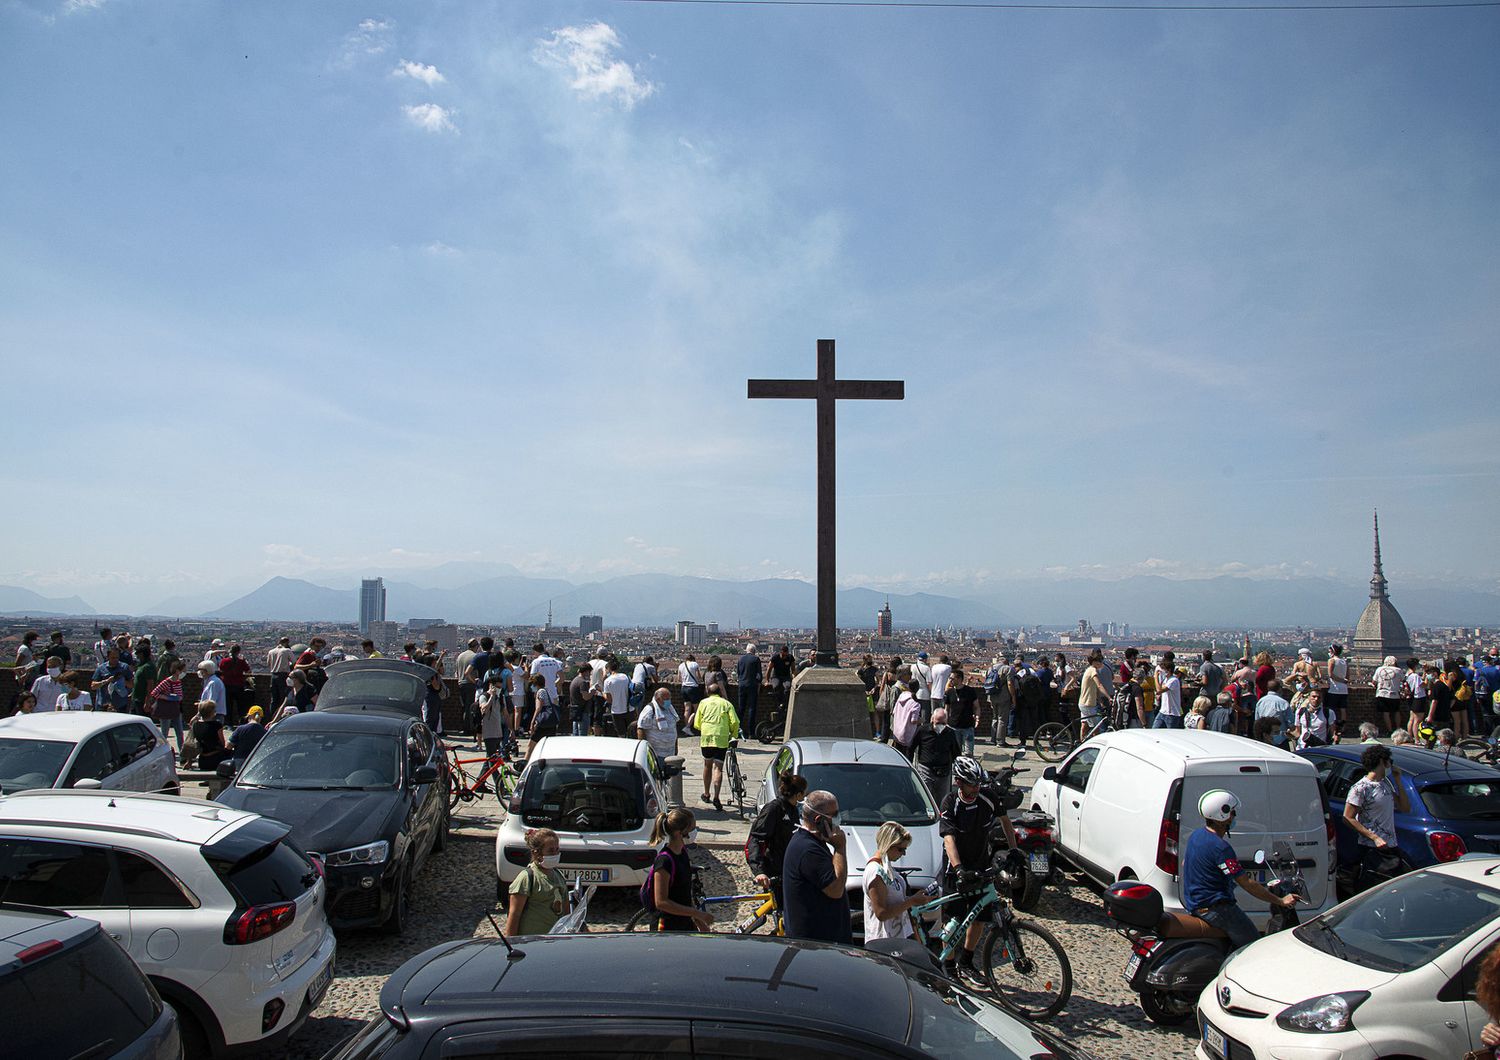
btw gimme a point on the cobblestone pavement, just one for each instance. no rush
(456, 890)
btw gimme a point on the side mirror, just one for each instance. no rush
(87, 784)
(1260, 857)
(1050, 773)
(227, 769)
(424, 775)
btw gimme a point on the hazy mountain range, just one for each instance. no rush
(478, 593)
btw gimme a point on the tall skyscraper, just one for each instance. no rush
(590, 624)
(883, 625)
(371, 603)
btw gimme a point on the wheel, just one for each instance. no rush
(1474, 747)
(440, 841)
(1034, 982)
(194, 1040)
(505, 785)
(1026, 893)
(1053, 741)
(639, 922)
(768, 732)
(400, 917)
(457, 790)
(1164, 1009)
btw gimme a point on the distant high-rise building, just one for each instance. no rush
(371, 603)
(590, 624)
(444, 633)
(883, 625)
(695, 635)
(679, 631)
(713, 629)
(1381, 630)
(386, 635)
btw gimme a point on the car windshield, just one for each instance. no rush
(31, 763)
(1465, 800)
(872, 794)
(376, 688)
(315, 760)
(584, 796)
(1405, 923)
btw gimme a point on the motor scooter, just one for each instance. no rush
(1034, 838)
(1175, 955)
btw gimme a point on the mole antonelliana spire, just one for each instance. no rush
(1381, 630)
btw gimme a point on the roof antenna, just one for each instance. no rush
(511, 953)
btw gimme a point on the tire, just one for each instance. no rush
(1044, 984)
(1474, 747)
(455, 793)
(768, 732)
(1026, 893)
(400, 916)
(1163, 1009)
(1053, 741)
(638, 922)
(440, 841)
(195, 1044)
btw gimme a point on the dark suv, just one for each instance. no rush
(69, 990)
(613, 995)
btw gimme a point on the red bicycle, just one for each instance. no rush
(465, 785)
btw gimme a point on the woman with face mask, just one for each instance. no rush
(539, 895)
(672, 874)
(886, 900)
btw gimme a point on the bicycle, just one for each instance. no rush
(464, 786)
(767, 911)
(1035, 984)
(736, 778)
(1481, 749)
(1055, 740)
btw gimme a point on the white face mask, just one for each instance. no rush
(551, 861)
(692, 837)
(54, 672)
(940, 728)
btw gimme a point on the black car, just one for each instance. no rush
(621, 994)
(364, 791)
(70, 990)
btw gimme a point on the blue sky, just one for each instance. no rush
(375, 287)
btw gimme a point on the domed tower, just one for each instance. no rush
(1381, 631)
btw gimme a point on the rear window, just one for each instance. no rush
(98, 981)
(374, 688)
(275, 873)
(1468, 800)
(584, 797)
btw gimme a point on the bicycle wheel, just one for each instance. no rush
(1027, 969)
(505, 783)
(640, 922)
(458, 787)
(1474, 747)
(1053, 741)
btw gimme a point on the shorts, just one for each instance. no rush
(714, 754)
(693, 694)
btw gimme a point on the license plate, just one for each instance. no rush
(1041, 864)
(586, 875)
(1131, 966)
(1213, 1040)
(319, 986)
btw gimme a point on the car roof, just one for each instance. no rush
(346, 721)
(1415, 761)
(23, 926)
(1194, 745)
(73, 725)
(731, 971)
(812, 751)
(604, 748)
(171, 817)
(1477, 868)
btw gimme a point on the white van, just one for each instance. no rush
(1126, 802)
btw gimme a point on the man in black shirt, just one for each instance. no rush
(964, 823)
(749, 675)
(781, 676)
(813, 876)
(963, 710)
(935, 750)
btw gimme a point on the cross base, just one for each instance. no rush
(828, 701)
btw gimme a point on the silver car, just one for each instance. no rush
(84, 749)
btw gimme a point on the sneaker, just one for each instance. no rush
(950, 969)
(968, 972)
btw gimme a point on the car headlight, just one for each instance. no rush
(369, 854)
(1323, 1015)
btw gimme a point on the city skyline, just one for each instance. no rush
(1173, 293)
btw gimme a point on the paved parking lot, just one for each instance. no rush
(456, 891)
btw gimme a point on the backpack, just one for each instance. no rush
(648, 889)
(992, 680)
(1125, 697)
(1029, 687)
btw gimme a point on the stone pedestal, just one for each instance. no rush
(828, 701)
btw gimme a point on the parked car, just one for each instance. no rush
(1126, 801)
(365, 794)
(1455, 803)
(394, 685)
(45, 957)
(223, 915)
(874, 783)
(84, 749)
(601, 794)
(1391, 972)
(784, 998)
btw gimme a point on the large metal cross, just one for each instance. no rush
(826, 389)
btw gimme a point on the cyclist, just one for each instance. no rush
(964, 823)
(1211, 869)
(772, 831)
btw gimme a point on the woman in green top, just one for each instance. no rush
(539, 896)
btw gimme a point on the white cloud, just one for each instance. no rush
(431, 117)
(428, 75)
(71, 7)
(438, 249)
(588, 53)
(371, 37)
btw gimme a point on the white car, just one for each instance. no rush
(874, 783)
(216, 906)
(601, 795)
(1389, 973)
(84, 749)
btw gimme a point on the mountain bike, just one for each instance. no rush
(766, 910)
(1481, 749)
(1023, 962)
(735, 777)
(466, 786)
(1055, 740)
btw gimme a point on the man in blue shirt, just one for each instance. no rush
(748, 675)
(1211, 869)
(1486, 684)
(112, 683)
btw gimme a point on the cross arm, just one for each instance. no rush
(870, 389)
(783, 388)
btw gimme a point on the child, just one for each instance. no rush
(1198, 717)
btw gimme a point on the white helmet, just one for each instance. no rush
(967, 771)
(1218, 805)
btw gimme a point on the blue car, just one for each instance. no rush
(1455, 803)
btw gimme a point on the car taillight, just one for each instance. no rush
(40, 950)
(1446, 846)
(1166, 847)
(259, 922)
(1332, 830)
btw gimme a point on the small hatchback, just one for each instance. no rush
(601, 794)
(84, 749)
